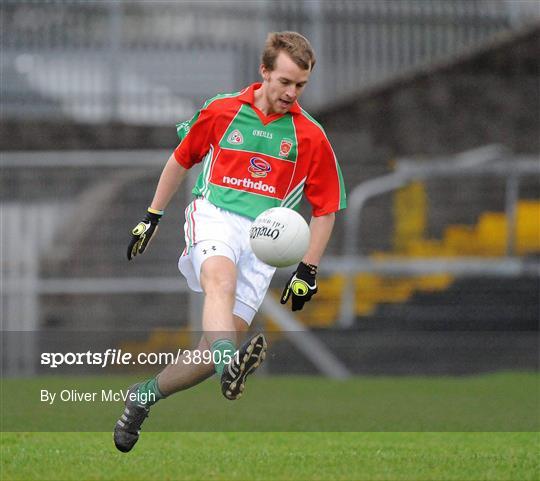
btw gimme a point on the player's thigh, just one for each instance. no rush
(218, 276)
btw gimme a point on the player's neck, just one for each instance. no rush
(260, 101)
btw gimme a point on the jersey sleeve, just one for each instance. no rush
(325, 189)
(195, 138)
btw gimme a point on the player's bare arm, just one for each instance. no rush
(302, 285)
(169, 182)
(171, 178)
(321, 229)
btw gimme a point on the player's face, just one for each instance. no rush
(283, 85)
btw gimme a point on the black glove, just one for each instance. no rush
(301, 286)
(143, 232)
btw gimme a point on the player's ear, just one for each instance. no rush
(265, 73)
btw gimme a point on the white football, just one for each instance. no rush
(279, 237)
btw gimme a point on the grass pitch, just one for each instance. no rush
(277, 456)
(507, 401)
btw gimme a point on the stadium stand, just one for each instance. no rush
(479, 97)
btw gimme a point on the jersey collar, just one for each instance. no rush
(248, 96)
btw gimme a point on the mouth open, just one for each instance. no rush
(285, 103)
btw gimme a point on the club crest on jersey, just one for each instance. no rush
(285, 147)
(235, 137)
(258, 167)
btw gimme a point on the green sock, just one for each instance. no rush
(149, 392)
(222, 353)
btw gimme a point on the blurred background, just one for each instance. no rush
(433, 109)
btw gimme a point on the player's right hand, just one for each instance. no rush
(142, 233)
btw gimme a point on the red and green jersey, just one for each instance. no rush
(252, 162)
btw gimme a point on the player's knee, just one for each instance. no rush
(218, 277)
(221, 287)
(218, 284)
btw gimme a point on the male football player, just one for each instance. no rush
(259, 150)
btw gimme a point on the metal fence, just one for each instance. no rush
(487, 161)
(155, 61)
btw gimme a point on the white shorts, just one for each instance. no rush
(211, 231)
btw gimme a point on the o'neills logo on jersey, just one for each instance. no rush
(249, 184)
(285, 147)
(235, 137)
(258, 167)
(263, 133)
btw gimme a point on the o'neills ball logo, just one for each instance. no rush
(285, 147)
(258, 167)
(261, 231)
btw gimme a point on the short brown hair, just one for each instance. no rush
(295, 45)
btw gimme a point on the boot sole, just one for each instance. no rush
(251, 360)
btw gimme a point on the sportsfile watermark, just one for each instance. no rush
(119, 357)
(72, 381)
(102, 395)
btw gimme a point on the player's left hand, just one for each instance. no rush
(301, 286)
